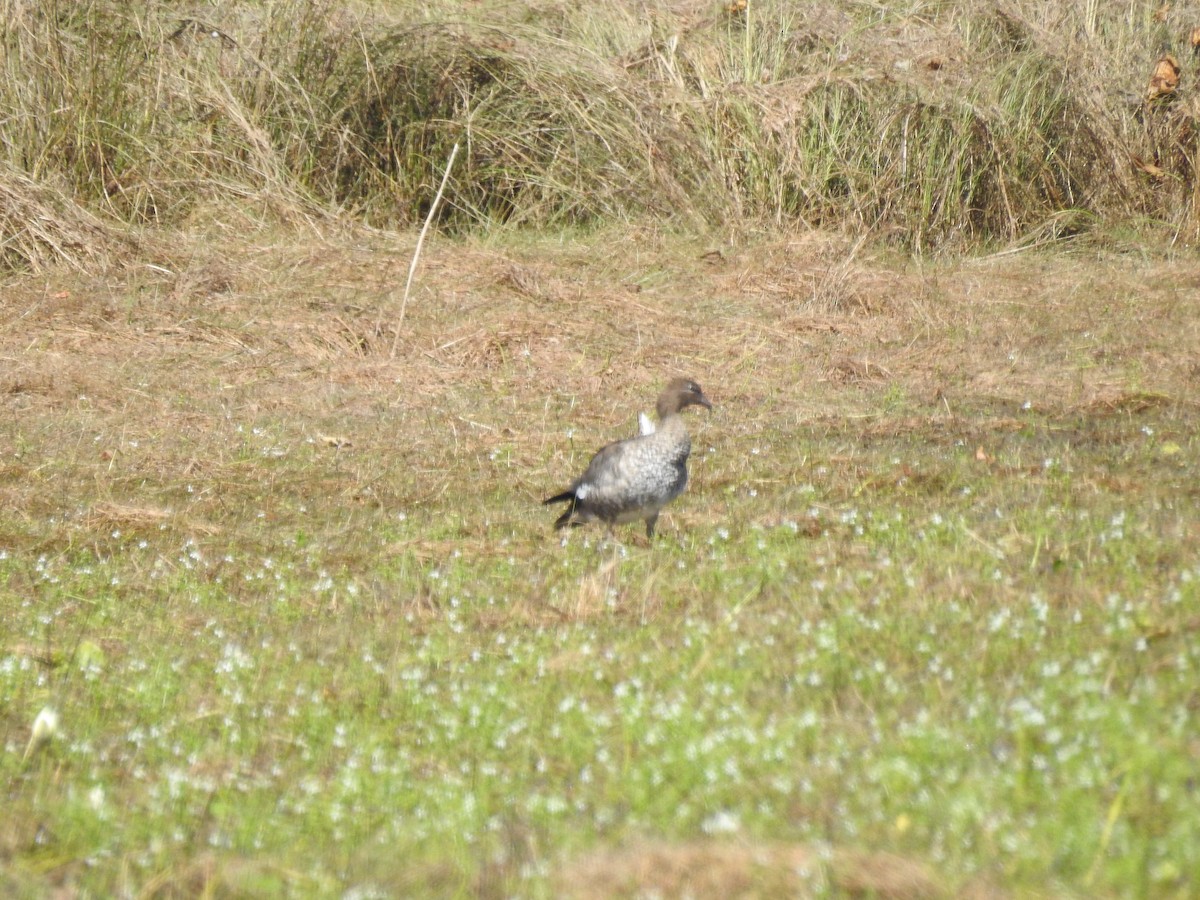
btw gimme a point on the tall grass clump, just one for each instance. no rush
(42, 227)
(933, 125)
(136, 113)
(963, 128)
(146, 114)
(555, 134)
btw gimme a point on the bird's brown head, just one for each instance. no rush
(681, 393)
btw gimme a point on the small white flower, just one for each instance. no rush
(45, 726)
(723, 822)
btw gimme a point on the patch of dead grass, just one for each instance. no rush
(740, 869)
(507, 350)
(107, 515)
(43, 228)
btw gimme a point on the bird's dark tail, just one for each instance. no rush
(570, 499)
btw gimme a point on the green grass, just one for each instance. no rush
(886, 644)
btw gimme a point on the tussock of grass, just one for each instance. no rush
(44, 228)
(966, 127)
(555, 135)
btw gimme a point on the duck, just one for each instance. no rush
(633, 479)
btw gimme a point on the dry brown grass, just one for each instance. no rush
(712, 869)
(964, 126)
(133, 397)
(44, 227)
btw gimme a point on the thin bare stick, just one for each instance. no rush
(412, 269)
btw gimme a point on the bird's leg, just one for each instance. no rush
(610, 536)
(650, 526)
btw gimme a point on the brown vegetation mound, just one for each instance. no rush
(43, 227)
(725, 869)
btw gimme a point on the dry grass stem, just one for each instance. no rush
(412, 268)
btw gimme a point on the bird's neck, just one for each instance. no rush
(671, 423)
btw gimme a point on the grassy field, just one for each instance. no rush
(281, 613)
(925, 620)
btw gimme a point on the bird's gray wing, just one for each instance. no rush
(612, 466)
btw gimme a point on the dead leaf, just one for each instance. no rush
(1165, 79)
(1160, 14)
(1149, 168)
(850, 369)
(1196, 39)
